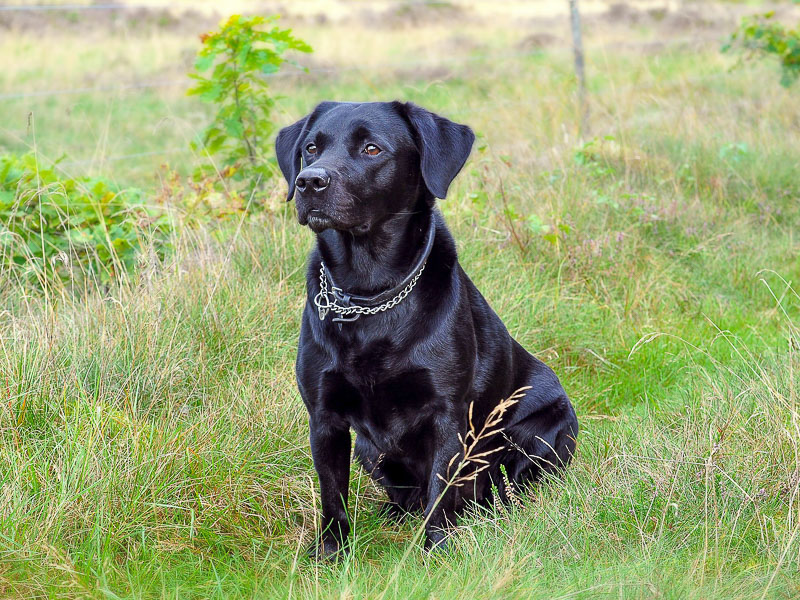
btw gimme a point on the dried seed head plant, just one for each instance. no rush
(472, 441)
(470, 455)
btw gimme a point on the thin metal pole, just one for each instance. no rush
(580, 71)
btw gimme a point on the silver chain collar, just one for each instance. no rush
(336, 301)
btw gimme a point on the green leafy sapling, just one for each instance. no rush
(240, 56)
(760, 36)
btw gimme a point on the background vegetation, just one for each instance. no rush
(152, 440)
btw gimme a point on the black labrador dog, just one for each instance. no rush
(396, 342)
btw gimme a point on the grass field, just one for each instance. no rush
(152, 439)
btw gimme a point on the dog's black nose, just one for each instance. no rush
(315, 178)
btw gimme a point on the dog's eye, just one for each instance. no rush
(311, 148)
(372, 150)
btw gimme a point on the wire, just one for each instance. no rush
(87, 90)
(115, 6)
(50, 7)
(320, 71)
(77, 163)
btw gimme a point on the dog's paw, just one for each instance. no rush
(437, 540)
(327, 548)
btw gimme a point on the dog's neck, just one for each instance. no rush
(377, 261)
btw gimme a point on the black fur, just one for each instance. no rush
(404, 379)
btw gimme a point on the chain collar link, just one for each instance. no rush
(340, 303)
(350, 307)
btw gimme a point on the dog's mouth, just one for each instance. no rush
(318, 222)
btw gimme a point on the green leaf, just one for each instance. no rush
(551, 237)
(535, 224)
(6, 199)
(234, 128)
(204, 61)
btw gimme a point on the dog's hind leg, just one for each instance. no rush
(541, 442)
(403, 489)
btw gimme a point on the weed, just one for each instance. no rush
(242, 53)
(60, 229)
(761, 36)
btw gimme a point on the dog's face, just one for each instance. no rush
(351, 165)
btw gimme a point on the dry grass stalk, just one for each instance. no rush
(472, 440)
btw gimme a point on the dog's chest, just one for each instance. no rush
(386, 409)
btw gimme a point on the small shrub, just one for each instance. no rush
(760, 36)
(200, 200)
(240, 55)
(57, 228)
(598, 155)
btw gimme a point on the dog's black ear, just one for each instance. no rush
(443, 146)
(287, 144)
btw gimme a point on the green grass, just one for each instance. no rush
(152, 439)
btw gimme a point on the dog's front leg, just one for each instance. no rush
(330, 449)
(442, 493)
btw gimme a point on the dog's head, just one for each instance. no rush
(353, 164)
